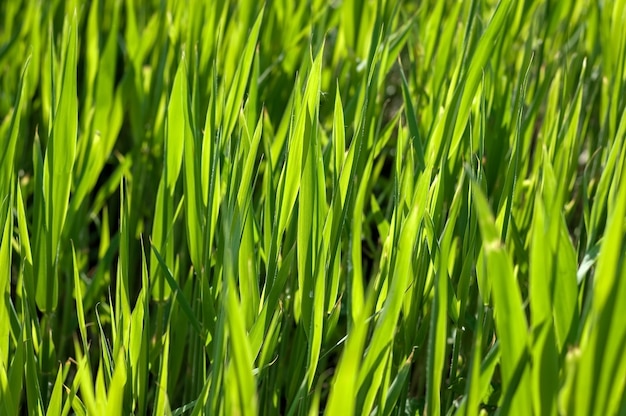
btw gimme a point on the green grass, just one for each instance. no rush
(348, 207)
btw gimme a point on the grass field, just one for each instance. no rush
(346, 207)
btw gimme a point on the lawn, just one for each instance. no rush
(302, 207)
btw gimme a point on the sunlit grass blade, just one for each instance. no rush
(6, 395)
(241, 360)
(115, 395)
(57, 173)
(10, 140)
(382, 337)
(544, 350)
(56, 398)
(161, 404)
(603, 337)
(509, 313)
(177, 128)
(6, 229)
(240, 80)
(139, 340)
(438, 336)
(78, 296)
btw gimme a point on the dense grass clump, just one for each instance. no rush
(304, 207)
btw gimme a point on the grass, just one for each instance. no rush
(355, 207)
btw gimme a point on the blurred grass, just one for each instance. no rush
(351, 207)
